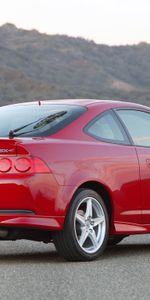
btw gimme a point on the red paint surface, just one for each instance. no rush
(73, 158)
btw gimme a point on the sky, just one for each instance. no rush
(112, 22)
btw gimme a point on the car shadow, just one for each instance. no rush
(126, 250)
(118, 251)
(36, 257)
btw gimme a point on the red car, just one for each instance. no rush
(75, 173)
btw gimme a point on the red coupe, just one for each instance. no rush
(75, 173)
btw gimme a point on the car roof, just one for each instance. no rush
(84, 102)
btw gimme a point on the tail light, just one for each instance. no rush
(23, 164)
(5, 165)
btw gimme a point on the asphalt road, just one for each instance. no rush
(32, 270)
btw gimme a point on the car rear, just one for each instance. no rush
(28, 188)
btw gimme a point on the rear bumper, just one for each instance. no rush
(31, 221)
(35, 201)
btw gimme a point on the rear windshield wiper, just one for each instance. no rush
(39, 124)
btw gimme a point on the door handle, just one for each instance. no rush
(148, 162)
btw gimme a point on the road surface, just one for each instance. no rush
(32, 270)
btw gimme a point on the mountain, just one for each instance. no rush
(40, 66)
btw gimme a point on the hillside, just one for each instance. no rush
(40, 66)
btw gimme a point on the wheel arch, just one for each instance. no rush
(101, 190)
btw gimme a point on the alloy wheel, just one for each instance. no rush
(90, 225)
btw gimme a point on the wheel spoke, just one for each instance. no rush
(83, 236)
(80, 219)
(97, 221)
(88, 212)
(93, 238)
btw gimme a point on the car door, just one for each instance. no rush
(137, 123)
(118, 167)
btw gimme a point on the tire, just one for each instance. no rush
(114, 240)
(85, 233)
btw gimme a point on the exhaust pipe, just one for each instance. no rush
(3, 233)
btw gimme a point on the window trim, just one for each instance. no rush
(124, 126)
(127, 141)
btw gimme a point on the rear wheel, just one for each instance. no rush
(85, 232)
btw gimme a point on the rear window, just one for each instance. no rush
(36, 120)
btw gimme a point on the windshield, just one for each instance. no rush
(36, 120)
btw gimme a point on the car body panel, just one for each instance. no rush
(75, 158)
(144, 161)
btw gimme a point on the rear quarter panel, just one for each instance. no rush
(76, 162)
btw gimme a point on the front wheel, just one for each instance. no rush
(85, 232)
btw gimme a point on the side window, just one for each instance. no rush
(138, 125)
(105, 127)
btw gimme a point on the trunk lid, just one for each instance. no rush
(8, 147)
